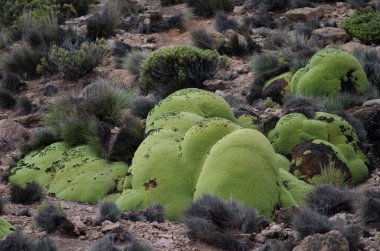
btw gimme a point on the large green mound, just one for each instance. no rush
(328, 73)
(314, 143)
(73, 174)
(5, 228)
(196, 147)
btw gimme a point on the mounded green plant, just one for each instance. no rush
(178, 67)
(364, 26)
(77, 62)
(329, 73)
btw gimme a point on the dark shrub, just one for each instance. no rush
(222, 23)
(207, 8)
(24, 105)
(77, 61)
(202, 39)
(210, 219)
(138, 246)
(45, 244)
(352, 233)
(103, 24)
(263, 62)
(107, 243)
(170, 2)
(308, 106)
(21, 60)
(171, 69)
(13, 83)
(2, 205)
(364, 26)
(128, 139)
(133, 60)
(330, 200)
(155, 212)
(369, 207)
(50, 218)
(308, 222)
(369, 58)
(108, 211)
(7, 100)
(32, 192)
(16, 241)
(141, 106)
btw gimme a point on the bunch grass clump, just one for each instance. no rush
(29, 194)
(51, 218)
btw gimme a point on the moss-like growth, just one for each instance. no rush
(5, 228)
(313, 143)
(194, 147)
(328, 73)
(364, 26)
(177, 68)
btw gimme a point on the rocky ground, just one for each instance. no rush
(15, 128)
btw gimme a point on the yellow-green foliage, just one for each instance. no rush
(73, 174)
(328, 73)
(196, 147)
(178, 67)
(364, 26)
(330, 130)
(5, 228)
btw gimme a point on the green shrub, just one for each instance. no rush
(76, 62)
(178, 67)
(330, 175)
(103, 24)
(364, 26)
(207, 8)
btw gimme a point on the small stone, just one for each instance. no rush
(243, 69)
(330, 35)
(372, 102)
(305, 14)
(108, 226)
(332, 241)
(239, 10)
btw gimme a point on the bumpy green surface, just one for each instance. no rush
(73, 174)
(195, 147)
(364, 26)
(328, 73)
(5, 228)
(296, 128)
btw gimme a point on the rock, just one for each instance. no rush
(80, 227)
(110, 227)
(370, 117)
(243, 69)
(93, 234)
(330, 35)
(305, 14)
(373, 102)
(332, 241)
(218, 39)
(230, 34)
(50, 89)
(214, 84)
(239, 10)
(31, 120)
(285, 215)
(149, 46)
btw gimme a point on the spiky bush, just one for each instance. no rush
(40, 32)
(106, 243)
(308, 222)
(138, 246)
(103, 24)
(364, 26)
(108, 210)
(7, 100)
(222, 22)
(17, 241)
(308, 106)
(170, 2)
(2, 205)
(133, 60)
(12, 83)
(352, 233)
(29, 194)
(369, 58)
(77, 61)
(209, 219)
(202, 39)
(207, 8)
(45, 244)
(155, 212)
(369, 207)
(263, 62)
(141, 106)
(330, 200)
(21, 60)
(179, 67)
(51, 218)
